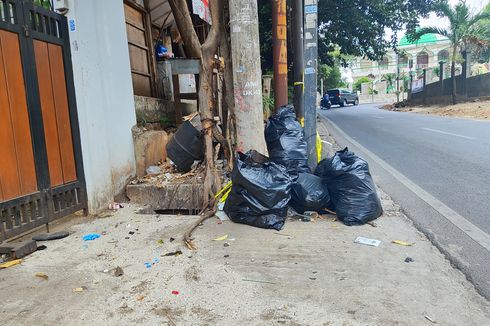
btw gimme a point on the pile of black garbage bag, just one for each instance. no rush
(260, 192)
(285, 141)
(265, 188)
(351, 187)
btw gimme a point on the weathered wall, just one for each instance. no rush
(149, 148)
(104, 96)
(150, 109)
(476, 86)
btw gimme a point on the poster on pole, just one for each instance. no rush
(201, 8)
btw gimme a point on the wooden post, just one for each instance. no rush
(280, 53)
(245, 53)
(266, 93)
(177, 102)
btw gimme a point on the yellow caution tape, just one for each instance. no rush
(225, 190)
(319, 147)
(10, 263)
(225, 196)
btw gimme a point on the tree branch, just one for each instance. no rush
(186, 28)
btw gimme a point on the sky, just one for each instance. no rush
(433, 20)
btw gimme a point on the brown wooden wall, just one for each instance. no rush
(140, 52)
(17, 169)
(54, 106)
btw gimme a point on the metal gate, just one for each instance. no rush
(41, 171)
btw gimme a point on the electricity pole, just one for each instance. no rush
(310, 73)
(247, 81)
(297, 35)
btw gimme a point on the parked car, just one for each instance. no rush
(342, 97)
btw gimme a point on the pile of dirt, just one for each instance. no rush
(473, 110)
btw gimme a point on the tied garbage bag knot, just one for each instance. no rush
(351, 187)
(260, 192)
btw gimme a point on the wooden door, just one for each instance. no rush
(17, 168)
(41, 169)
(140, 49)
(54, 106)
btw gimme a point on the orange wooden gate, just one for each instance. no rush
(41, 174)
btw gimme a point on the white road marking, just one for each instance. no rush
(474, 232)
(377, 117)
(449, 133)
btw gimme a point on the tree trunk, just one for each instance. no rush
(186, 28)
(247, 81)
(206, 53)
(453, 75)
(228, 85)
(209, 48)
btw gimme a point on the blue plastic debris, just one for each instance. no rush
(91, 236)
(155, 261)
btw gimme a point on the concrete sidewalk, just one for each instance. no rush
(307, 274)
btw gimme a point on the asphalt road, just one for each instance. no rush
(436, 168)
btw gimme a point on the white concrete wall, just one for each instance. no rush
(104, 94)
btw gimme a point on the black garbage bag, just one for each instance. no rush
(260, 192)
(309, 193)
(285, 141)
(185, 147)
(351, 187)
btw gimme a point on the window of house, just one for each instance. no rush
(422, 60)
(403, 60)
(443, 55)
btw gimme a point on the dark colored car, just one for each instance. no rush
(342, 97)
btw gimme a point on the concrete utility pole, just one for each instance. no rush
(398, 83)
(311, 67)
(280, 53)
(441, 76)
(298, 68)
(245, 53)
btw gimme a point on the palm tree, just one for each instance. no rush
(464, 29)
(390, 80)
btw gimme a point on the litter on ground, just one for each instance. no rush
(91, 236)
(367, 241)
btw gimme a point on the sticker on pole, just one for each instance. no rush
(72, 25)
(311, 9)
(309, 71)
